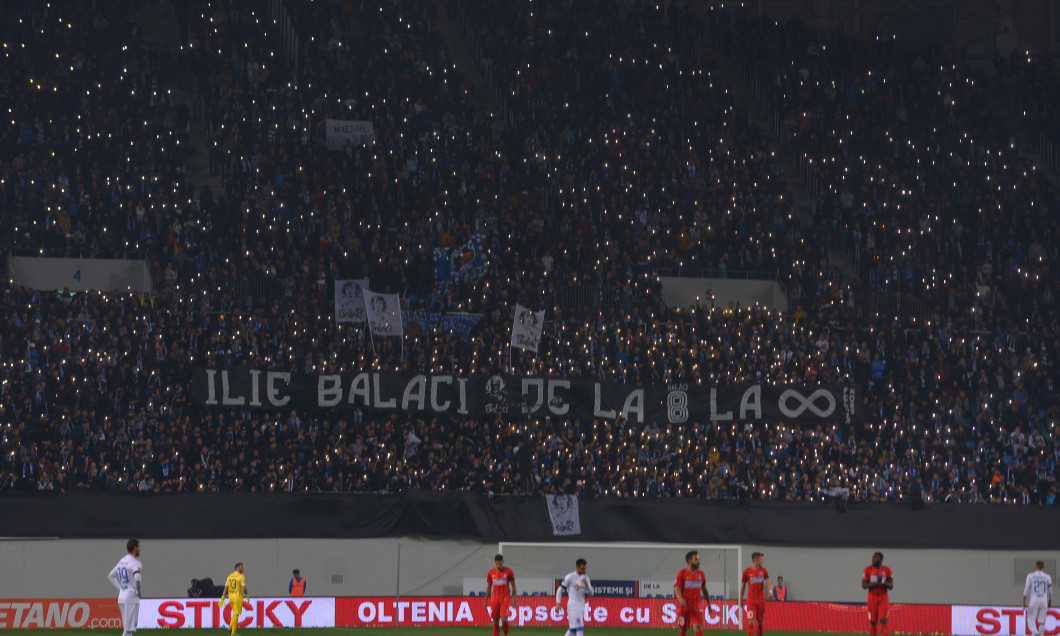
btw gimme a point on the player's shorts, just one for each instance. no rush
(576, 616)
(130, 612)
(690, 615)
(756, 610)
(499, 609)
(878, 607)
(237, 608)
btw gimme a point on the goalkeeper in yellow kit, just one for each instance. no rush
(236, 591)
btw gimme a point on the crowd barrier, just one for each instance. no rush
(958, 620)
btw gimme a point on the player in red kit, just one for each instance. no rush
(500, 590)
(878, 579)
(756, 580)
(690, 589)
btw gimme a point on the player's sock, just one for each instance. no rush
(883, 628)
(760, 629)
(496, 630)
(506, 629)
(872, 629)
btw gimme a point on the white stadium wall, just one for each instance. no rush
(72, 568)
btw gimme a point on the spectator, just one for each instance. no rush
(780, 590)
(296, 587)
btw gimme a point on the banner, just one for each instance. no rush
(633, 612)
(479, 395)
(563, 513)
(687, 292)
(66, 613)
(526, 328)
(664, 588)
(384, 313)
(344, 131)
(459, 264)
(539, 610)
(349, 300)
(459, 325)
(257, 612)
(616, 588)
(1000, 620)
(80, 274)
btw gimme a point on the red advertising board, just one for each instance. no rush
(631, 612)
(999, 620)
(59, 613)
(257, 612)
(959, 620)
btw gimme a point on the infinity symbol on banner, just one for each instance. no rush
(806, 403)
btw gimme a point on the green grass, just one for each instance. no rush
(412, 631)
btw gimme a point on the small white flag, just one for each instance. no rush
(384, 313)
(564, 514)
(349, 300)
(526, 328)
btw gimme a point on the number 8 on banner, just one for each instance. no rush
(677, 407)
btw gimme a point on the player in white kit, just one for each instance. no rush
(577, 586)
(126, 578)
(1037, 598)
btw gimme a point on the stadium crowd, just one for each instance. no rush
(623, 157)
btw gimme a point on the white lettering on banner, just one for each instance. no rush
(462, 383)
(435, 381)
(359, 388)
(597, 410)
(211, 388)
(714, 415)
(629, 614)
(538, 384)
(669, 613)
(415, 393)
(379, 403)
(226, 398)
(329, 390)
(555, 399)
(273, 391)
(806, 403)
(751, 401)
(675, 403)
(998, 621)
(433, 612)
(255, 391)
(633, 407)
(44, 615)
(263, 612)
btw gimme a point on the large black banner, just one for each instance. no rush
(84, 514)
(481, 395)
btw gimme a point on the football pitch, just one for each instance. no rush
(417, 631)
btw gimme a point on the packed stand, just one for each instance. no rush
(619, 113)
(80, 415)
(915, 169)
(94, 149)
(96, 388)
(307, 215)
(1029, 83)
